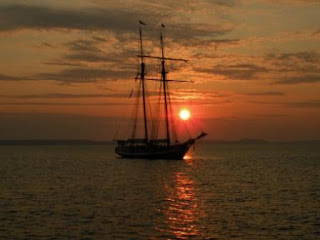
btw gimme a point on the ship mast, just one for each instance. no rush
(142, 74)
(164, 81)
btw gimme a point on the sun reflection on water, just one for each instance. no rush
(187, 157)
(182, 212)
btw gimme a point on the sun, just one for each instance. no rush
(184, 114)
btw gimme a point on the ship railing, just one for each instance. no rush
(137, 141)
(158, 142)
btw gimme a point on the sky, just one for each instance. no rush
(67, 67)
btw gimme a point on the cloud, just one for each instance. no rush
(264, 102)
(293, 2)
(307, 57)
(84, 75)
(299, 79)
(112, 94)
(45, 45)
(263, 116)
(306, 104)
(89, 57)
(316, 32)
(75, 75)
(194, 32)
(83, 45)
(119, 23)
(302, 104)
(197, 97)
(264, 94)
(63, 63)
(281, 68)
(215, 43)
(108, 17)
(16, 17)
(100, 50)
(221, 42)
(294, 67)
(188, 96)
(228, 3)
(236, 72)
(26, 103)
(4, 77)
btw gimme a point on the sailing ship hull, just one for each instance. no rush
(172, 152)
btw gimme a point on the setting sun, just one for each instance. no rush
(184, 114)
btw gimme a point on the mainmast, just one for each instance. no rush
(164, 81)
(142, 74)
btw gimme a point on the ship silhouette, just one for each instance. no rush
(150, 146)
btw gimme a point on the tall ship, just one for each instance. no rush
(154, 145)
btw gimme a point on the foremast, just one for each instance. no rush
(142, 77)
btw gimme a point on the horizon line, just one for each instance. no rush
(98, 142)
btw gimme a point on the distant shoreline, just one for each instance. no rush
(93, 142)
(261, 141)
(53, 142)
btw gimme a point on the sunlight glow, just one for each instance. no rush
(184, 114)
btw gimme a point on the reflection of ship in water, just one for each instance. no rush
(183, 212)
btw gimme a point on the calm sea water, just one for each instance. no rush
(223, 191)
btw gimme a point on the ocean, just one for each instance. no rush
(220, 191)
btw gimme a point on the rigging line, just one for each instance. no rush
(187, 130)
(196, 125)
(154, 112)
(159, 111)
(149, 112)
(116, 133)
(155, 115)
(137, 87)
(136, 109)
(156, 109)
(131, 119)
(173, 128)
(155, 120)
(192, 103)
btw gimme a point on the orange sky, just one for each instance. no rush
(67, 67)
